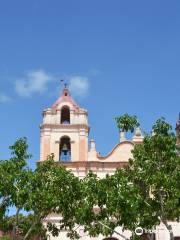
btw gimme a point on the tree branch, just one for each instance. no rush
(29, 231)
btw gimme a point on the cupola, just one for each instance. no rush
(64, 131)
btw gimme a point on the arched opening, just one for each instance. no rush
(65, 149)
(65, 115)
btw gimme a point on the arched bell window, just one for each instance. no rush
(65, 149)
(65, 115)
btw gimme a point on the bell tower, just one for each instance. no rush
(64, 130)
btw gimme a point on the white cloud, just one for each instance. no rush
(34, 82)
(4, 98)
(79, 86)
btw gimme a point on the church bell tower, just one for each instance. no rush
(64, 130)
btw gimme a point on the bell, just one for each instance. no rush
(64, 148)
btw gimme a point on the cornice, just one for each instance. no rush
(87, 165)
(64, 126)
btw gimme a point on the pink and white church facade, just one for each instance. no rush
(65, 133)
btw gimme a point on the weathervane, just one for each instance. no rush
(63, 82)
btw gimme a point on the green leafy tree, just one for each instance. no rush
(13, 175)
(144, 194)
(155, 171)
(127, 123)
(109, 202)
(48, 189)
(9, 170)
(24, 223)
(67, 193)
(91, 209)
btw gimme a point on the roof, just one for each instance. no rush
(64, 98)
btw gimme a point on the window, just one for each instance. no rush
(65, 115)
(65, 149)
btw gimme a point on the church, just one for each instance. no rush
(65, 133)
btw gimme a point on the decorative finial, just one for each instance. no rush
(138, 136)
(138, 132)
(64, 83)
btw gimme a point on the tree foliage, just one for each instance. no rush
(155, 171)
(13, 178)
(144, 193)
(127, 123)
(24, 224)
(48, 189)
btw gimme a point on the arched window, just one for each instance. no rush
(65, 149)
(65, 115)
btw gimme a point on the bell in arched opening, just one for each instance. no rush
(65, 115)
(65, 149)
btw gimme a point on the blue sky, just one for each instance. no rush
(119, 56)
